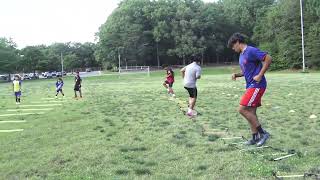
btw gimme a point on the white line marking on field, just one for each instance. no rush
(232, 138)
(36, 102)
(20, 114)
(37, 105)
(44, 109)
(47, 98)
(12, 130)
(283, 157)
(13, 121)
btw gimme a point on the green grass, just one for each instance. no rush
(127, 128)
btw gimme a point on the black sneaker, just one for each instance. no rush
(253, 140)
(263, 138)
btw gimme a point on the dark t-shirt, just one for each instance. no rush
(78, 80)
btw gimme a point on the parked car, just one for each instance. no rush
(88, 70)
(64, 73)
(25, 77)
(4, 77)
(59, 74)
(54, 74)
(34, 75)
(47, 75)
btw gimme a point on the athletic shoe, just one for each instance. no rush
(194, 112)
(254, 140)
(251, 142)
(173, 95)
(264, 137)
(56, 97)
(190, 114)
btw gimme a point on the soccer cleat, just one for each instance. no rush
(173, 95)
(263, 138)
(56, 97)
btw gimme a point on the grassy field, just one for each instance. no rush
(128, 128)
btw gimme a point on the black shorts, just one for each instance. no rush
(193, 92)
(170, 84)
(77, 87)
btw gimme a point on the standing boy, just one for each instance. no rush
(77, 85)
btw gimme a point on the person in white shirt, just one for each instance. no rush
(190, 74)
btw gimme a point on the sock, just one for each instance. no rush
(19, 100)
(260, 130)
(255, 136)
(189, 110)
(16, 99)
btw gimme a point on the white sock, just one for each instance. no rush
(189, 110)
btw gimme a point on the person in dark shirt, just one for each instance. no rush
(77, 85)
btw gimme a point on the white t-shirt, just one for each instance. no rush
(192, 72)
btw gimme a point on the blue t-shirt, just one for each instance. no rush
(251, 64)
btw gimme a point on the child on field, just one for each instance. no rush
(16, 84)
(59, 85)
(168, 83)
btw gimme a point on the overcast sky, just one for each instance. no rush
(35, 22)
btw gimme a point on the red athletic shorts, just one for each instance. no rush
(252, 97)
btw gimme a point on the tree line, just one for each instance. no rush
(46, 58)
(158, 32)
(155, 32)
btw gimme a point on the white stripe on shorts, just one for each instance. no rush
(256, 91)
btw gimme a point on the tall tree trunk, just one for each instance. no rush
(202, 58)
(158, 59)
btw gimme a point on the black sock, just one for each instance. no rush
(260, 130)
(18, 99)
(255, 136)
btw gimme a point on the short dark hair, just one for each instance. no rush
(236, 37)
(195, 58)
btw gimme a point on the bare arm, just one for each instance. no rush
(236, 75)
(198, 74)
(266, 63)
(183, 70)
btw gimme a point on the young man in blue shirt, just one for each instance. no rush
(253, 63)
